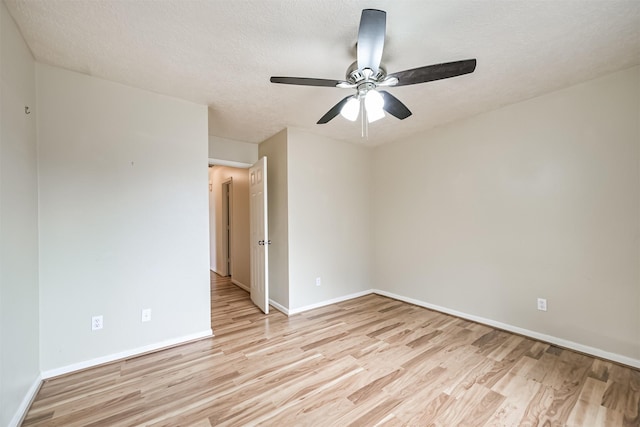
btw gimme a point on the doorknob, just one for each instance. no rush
(260, 242)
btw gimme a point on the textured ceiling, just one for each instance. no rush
(222, 53)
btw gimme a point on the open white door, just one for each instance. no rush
(259, 235)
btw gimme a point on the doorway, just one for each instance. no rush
(229, 239)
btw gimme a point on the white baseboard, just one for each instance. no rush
(520, 331)
(18, 417)
(124, 354)
(240, 285)
(329, 302)
(625, 360)
(208, 333)
(279, 307)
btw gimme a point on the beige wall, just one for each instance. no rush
(329, 218)
(319, 218)
(19, 310)
(275, 149)
(218, 175)
(123, 218)
(536, 199)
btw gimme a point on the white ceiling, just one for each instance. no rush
(222, 53)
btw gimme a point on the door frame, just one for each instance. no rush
(227, 227)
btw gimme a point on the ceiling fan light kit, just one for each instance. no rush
(367, 77)
(351, 109)
(373, 106)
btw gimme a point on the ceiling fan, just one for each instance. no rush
(367, 76)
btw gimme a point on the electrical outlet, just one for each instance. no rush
(96, 323)
(318, 281)
(542, 304)
(146, 315)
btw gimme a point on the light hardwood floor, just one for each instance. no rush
(364, 362)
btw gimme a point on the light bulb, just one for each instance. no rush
(374, 103)
(351, 109)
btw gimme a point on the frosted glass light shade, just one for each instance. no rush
(374, 103)
(376, 114)
(351, 109)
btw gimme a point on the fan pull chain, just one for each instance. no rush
(364, 133)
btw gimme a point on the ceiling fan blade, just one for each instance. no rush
(434, 72)
(304, 81)
(394, 106)
(334, 111)
(371, 35)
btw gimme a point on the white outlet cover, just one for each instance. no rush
(542, 304)
(146, 315)
(96, 323)
(318, 281)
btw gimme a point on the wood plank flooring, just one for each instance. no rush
(364, 362)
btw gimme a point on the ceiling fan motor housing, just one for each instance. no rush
(355, 75)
